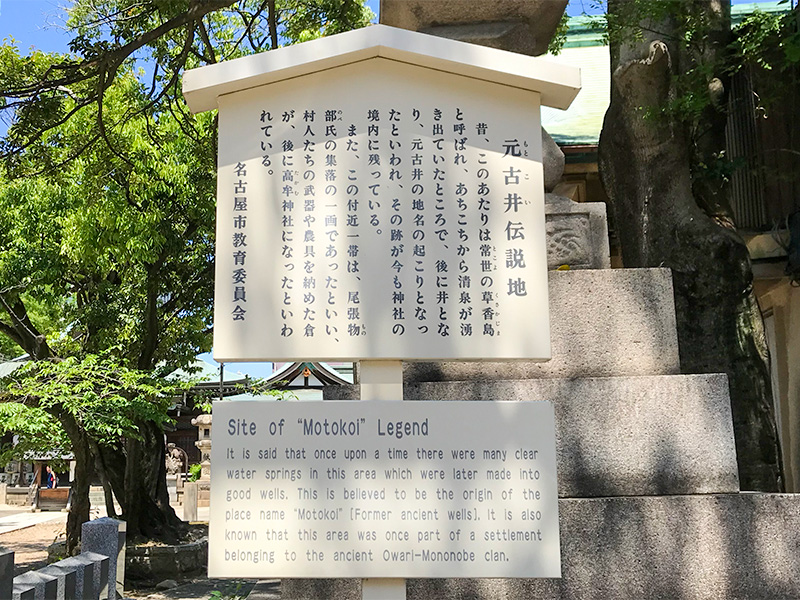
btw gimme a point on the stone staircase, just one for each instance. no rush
(649, 499)
(650, 505)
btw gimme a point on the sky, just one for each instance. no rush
(40, 23)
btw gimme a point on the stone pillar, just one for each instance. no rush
(190, 496)
(28, 593)
(3, 493)
(67, 577)
(519, 26)
(39, 584)
(84, 573)
(203, 443)
(6, 573)
(96, 587)
(511, 25)
(106, 537)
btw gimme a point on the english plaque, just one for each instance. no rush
(384, 489)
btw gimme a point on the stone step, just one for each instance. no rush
(620, 436)
(732, 547)
(736, 547)
(603, 323)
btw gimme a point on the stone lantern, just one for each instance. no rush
(203, 443)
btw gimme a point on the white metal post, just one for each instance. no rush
(382, 380)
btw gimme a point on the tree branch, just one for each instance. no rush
(11, 333)
(272, 18)
(212, 57)
(32, 341)
(104, 68)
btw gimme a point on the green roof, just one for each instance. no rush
(6, 368)
(740, 11)
(580, 124)
(585, 30)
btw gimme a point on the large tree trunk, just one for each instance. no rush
(79, 507)
(647, 168)
(136, 473)
(146, 505)
(109, 465)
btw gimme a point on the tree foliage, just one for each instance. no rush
(117, 244)
(105, 399)
(707, 52)
(118, 241)
(163, 38)
(107, 188)
(768, 40)
(37, 431)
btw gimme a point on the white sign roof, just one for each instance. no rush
(557, 84)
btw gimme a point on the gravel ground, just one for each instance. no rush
(30, 544)
(201, 589)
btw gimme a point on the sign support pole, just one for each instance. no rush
(382, 380)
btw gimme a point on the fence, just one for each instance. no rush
(97, 573)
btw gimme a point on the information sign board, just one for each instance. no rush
(384, 489)
(380, 209)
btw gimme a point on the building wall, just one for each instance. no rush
(780, 302)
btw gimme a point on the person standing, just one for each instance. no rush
(52, 480)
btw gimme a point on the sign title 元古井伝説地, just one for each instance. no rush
(404, 221)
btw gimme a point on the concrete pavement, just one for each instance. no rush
(19, 517)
